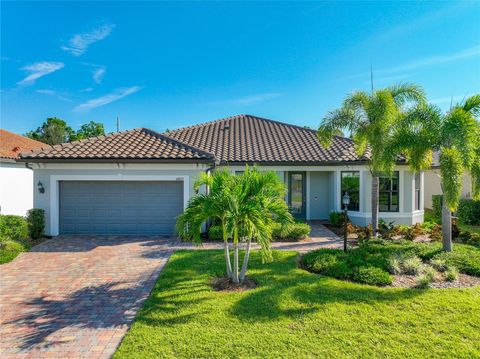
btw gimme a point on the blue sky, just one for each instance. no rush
(166, 65)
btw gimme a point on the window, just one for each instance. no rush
(417, 191)
(351, 184)
(389, 193)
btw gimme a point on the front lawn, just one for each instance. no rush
(296, 314)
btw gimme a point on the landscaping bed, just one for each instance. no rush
(296, 314)
(399, 263)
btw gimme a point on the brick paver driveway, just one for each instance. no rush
(74, 297)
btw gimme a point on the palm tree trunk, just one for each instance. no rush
(375, 188)
(227, 253)
(446, 228)
(245, 261)
(235, 256)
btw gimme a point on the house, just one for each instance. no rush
(16, 180)
(138, 181)
(432, 182)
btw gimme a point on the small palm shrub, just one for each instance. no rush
(451, 274)
(411, 265)
(36, 223)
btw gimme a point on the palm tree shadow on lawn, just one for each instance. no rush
(287, 291)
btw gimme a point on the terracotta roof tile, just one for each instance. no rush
(134, 144)
(11, 144)
(246, 138)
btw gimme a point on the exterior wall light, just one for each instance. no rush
(40, 187)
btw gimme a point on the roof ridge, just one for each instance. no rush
(206, 123)
(175, 141)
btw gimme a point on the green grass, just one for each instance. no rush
(296, 314)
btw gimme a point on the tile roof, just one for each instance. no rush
(11, 144)
(136, 144)
(246, 139)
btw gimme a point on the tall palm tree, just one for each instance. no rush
(247, 206)
(371, 119)
(456, 135)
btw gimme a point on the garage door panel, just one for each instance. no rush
(120, 207)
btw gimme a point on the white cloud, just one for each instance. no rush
(53, 94)
(248, 100)
(39, 69)
(88, 89)
(79, 43)
(109, 98)
(425, 62)
(98, 74)
(451, 99)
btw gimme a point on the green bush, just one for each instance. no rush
(426, 277)
(10, 249)
(411, 265)
(439, 264)
(337, 219)
(437, 200)
(464, 257)
(13, 228)
(451, 274)
(293, 231)
(36, 223)
(469, 211)
(372, 275)
(215, 232)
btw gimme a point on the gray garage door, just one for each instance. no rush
(121, 207)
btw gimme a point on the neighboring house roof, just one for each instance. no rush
(138, 144)
(251, 139)
(11, 145)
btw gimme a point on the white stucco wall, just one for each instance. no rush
(16, 188)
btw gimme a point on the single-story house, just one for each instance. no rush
(433, 182)
(139, 181)
(16, 180)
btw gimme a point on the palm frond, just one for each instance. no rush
(404, 93)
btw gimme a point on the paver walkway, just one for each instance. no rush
(75, 297)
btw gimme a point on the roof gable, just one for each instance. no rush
(136, 144)
(251, 139)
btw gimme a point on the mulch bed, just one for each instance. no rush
(225, 284)
(463, 281)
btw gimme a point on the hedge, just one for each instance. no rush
(469, 211)
(13, 228)
(293, 231)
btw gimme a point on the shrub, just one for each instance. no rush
(411, 265)
(36, 223)
(451, 274)
(439, 264)
(215, 232)
(13, 228)
(10, 249)
(469, 211)
(293, 231)
(372, 275)
(337, 219)
(464, 257)
(437, 200)
(395, 264)
(426, 277)
(469, 238)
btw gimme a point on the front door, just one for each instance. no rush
(296, 194)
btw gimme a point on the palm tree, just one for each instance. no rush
(247, 206)
(371, 119)
(456, 135)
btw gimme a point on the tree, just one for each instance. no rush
(371, 119)
(91, 129)
(53, 132)
(456, 135)
(247, 206)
